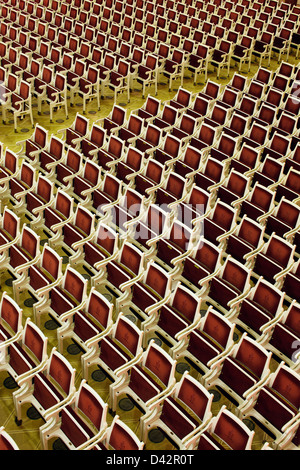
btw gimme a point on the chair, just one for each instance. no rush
(234, 188)
(76, 132)
(8, 86)
(147, 73)
(52, 388)
(199, 107)
(9, 168)
(21, 183)
(130, 130)
(207, 342)
(238, 82)
(225, 431)
(275, 404)
(292, 160)
(221, 57)
(149, 139)
(115, 118)
(198, 62)
(284, 220)
(295, 42)
(281, 336)
(169, 149)
(126, 268)
(203, 262)
(166, 119)
(57, 214)
(266, 115)
(286, 125)
(245, 240)
(92, 142)
(232, 282)
(148, 293)
(172, 247)
(72, 76)
(22, 253)
(122, 345)
(247, 107)
(11, 326)
(274, 97)
(40, 277)
(264, 75)
(63, 300)
(258, 204)
(31, 147)
(79, 423)
(9, 231)
(89, 325)
(219, 223)
(289, 283)
(111, 152)
(186, 127)
(182, 413)
(275, 258)
(35, 200)
(27, 356)
(205, 138)
(288, 187)
(152, 224)
(170, 192)
(173, 319)
(64, 170)
(181, 100)
(174, 67)
(149, 109)
(73, 234)
(262, 48)
(211, 91)
(105, 69)
(242, 52)
(86, 182)
(210, 174)
(19, 104)
(119, 437)
(190, 161)
(128, 208)
(195, 206)
(237, 126)
(146, 381)
(245, 367)
(262, 305)
(281, 43)
(56, 95)
(40, 82)
(51, 155)
(257, 136)
(217, 117)
(120, 79)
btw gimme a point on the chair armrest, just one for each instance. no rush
(127, 285)
(65, 316)
(23, 267)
